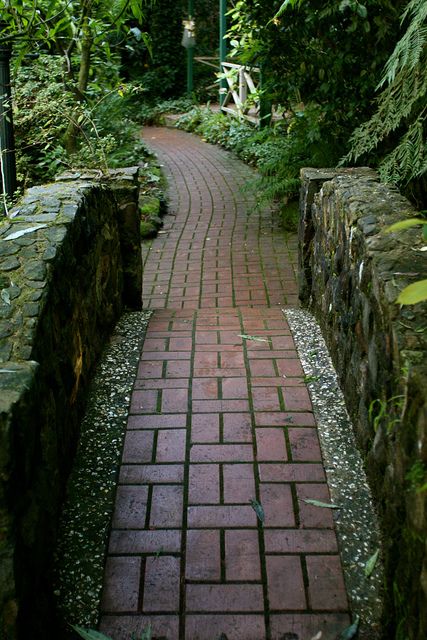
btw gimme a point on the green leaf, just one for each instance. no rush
(257, 507)
(89, 634)
(319, 503)
(351, 631)
(362, 11)
(413, 293)
(370, 565)
(405, 224)
(255, 338)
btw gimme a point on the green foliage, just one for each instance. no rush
(416, 477)
(401, 115)
(42, 112)
(278, 152)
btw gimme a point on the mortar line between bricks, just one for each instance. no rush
(186, 485)
(260, 524)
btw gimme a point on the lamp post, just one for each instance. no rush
(7, 140)
(189, 42)
(222, 47)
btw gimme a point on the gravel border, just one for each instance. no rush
(356, 520)
(87, 513)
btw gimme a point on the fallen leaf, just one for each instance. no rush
(350, 632)
(23, 232)
(255, 338)
(370, 565)
(318, 503)
(257, 507)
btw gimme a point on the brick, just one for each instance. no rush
(221, 453)
(237, 427)
(130, 507)
(203, 555)
(206, 337)
(289, 367)
(205, 389)
(282, 342)
(309, 625)
(162, 383)
(205, 428)
(151, 473)
(123, 627)
(150, 369)
(204, 487)
(178, 369)
(213, 406)
(180, 344)
(300, 541)
(154, 344)
(144, 401)
(131, 542)
(326, 586)
(230, 360)
(266, 399)
(304, 444)
(291, 472)
(242, 559)
(203, 360)
(297, 399)
(285, 583)
(262, 368)
(276, 500)
(161, 584)
(224, 597)
(171, 445)
(174, 400)
(271, 444)
(221, 516)
(165, 355)
(234, 627)
(171, 421)
(282, 419)
(310, 515)
(235, 388)
(121, 584)
(166, 506)
(138, 446)
(239, 483)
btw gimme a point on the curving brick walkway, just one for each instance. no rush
(220, 423)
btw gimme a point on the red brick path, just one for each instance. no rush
(218, 420)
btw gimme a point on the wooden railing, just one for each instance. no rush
(241, 97)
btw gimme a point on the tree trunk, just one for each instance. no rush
(70, 140)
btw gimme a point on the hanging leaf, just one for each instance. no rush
(254, 338)
(257, 507)
(351, 631)
(370, 565)
(405, 224)
(89, 634)
(23, 232)
(414, 293)
(319, 503)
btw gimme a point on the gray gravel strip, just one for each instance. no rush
(356, 521)
(84, 527)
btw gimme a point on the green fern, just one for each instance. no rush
(401, 104)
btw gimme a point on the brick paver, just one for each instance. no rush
(220, 423)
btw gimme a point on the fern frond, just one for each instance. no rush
(408, 159)
(409, 49)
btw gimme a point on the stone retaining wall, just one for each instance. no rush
(70, 259)
(350, 275)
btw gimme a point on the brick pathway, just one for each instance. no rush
(218, 420)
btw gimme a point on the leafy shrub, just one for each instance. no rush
(43, 109)
(278, 152)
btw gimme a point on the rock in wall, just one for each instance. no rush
(69, 261)
(351, 271)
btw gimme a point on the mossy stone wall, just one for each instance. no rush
(351, 272)
(69, 262)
